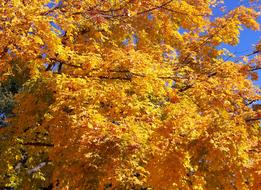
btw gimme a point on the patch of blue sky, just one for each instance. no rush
(57, 29)
(12, 54)
(46, 65)
(135, 39)
(169, 55)
(165, 55)
(150, 16)
(54, 15)
(2, 115)
(125, 41)
(55, 67)
(247, 36)
(44, 55)
(60, 3)
(182, 30)
(52, 4)
(171, 85)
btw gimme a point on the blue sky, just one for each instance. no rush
(247, 37)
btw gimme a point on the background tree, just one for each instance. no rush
(112, 95)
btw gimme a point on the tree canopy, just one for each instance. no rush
(127, 94)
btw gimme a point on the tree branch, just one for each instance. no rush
(254, 69)
(182, 13)
(139, 13)
(60, 68)
(253, 119)
(248, 55)
(48, 68)
(253, 53)
(37, 144)
(64, 63)
(118, 9)
(250, 102)
(37, 168)
(186, 88)
(155, 8)
(22, 161)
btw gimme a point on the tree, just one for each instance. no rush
(112, 95)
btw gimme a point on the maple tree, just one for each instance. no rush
(112, 95)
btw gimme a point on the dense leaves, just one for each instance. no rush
(127, 95)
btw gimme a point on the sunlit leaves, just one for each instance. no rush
(127, 95)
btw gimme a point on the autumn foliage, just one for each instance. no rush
(128, 94)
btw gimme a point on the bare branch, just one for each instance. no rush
(64, 63)
(250, 102)
(255, 69)
(186, 88)
(139, 13)
(248, 55)
(37, 168)
(253, 119)
(182, 13)
(48, 68)
(37, 144)
(155, 8)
